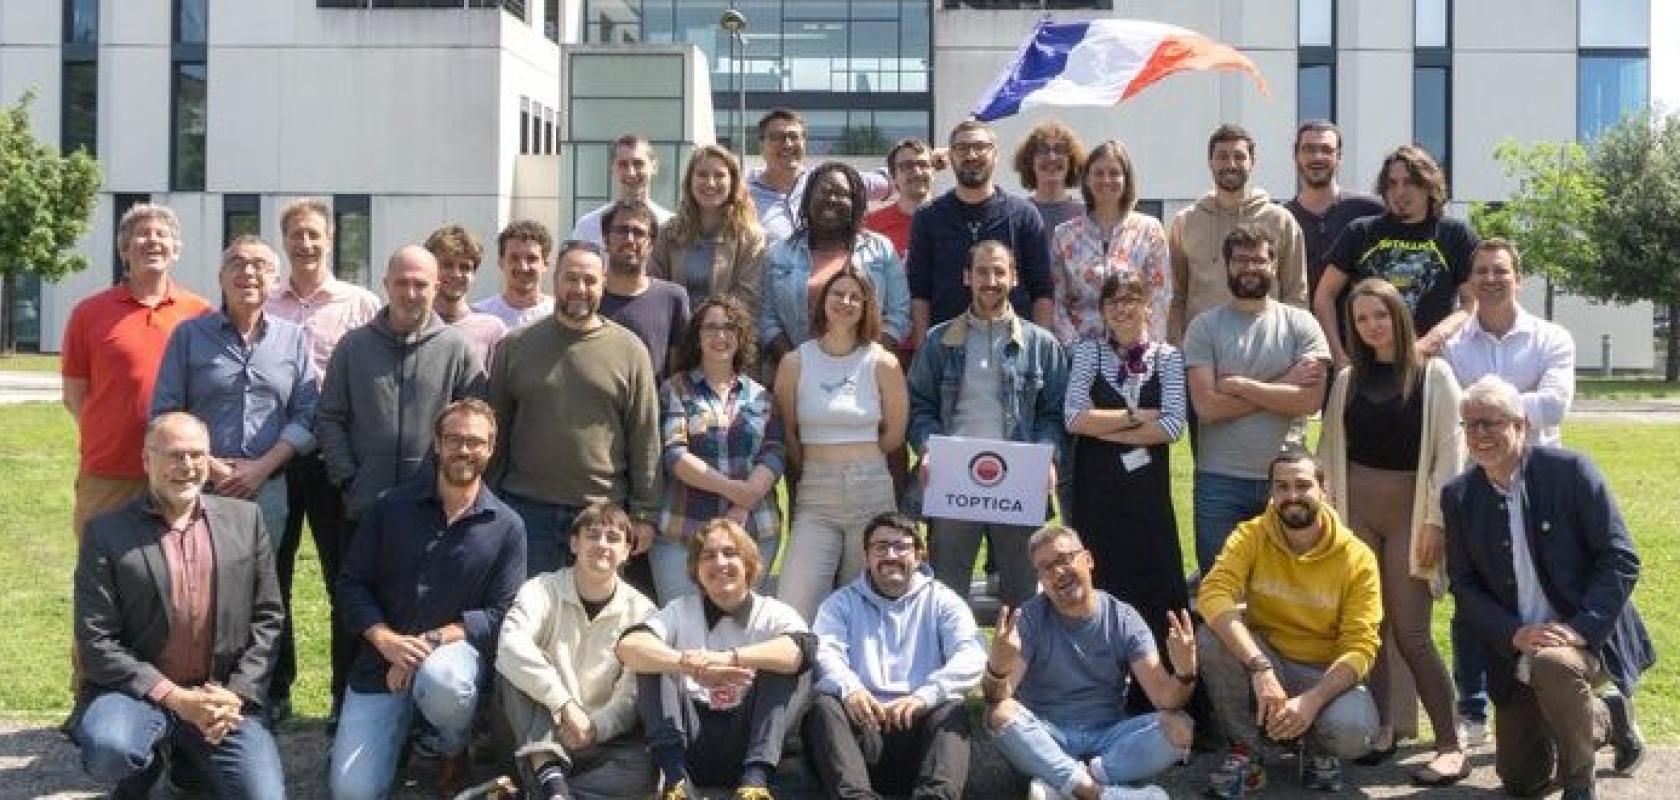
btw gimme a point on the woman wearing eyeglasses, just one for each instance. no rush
(722, 442)
(1391, 439)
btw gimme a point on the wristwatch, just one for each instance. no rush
(1258, 664)
(433, 639)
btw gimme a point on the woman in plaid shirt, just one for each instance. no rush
(722, 443)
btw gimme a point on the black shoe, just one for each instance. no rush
(1624, 734)
(1378, 756)
(279, 710)
(1588, 793)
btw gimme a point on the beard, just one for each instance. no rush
(626, 264)
(974, 177)
(1297, 514)
(1243, 287)
(1315, 177)
(462, 471)
(578, 309)
(1231, 179)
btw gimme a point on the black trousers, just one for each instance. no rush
(928, 761)
(717, 745)
(309, 495)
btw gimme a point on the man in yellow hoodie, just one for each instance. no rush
(1292, 606)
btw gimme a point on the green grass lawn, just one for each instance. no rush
(1626, 389)
(37, 464)
(28, 362)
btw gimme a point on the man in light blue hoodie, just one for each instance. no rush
(898, 649)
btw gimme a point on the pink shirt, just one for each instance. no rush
(326, 314)
(191, 561)
(483, 331)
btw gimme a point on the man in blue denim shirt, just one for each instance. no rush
(987, 374)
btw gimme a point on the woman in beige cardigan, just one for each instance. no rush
(1391, 439)
(713, 246)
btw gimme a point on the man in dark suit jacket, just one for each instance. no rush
(177, 609)
(1543, 568)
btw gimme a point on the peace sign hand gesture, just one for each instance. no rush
(1181, 642)
(1006, 642)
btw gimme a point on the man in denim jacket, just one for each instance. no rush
(987, 374)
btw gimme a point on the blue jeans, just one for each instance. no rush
(374, 726)
(1132, 750)
(1221, 502)
(120, 737)
(669, 560)
(1469, 665)
(548, 530)
(271, 505)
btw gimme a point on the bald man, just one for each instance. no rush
(385, 384)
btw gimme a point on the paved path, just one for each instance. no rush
(38, 762)
(29, 387)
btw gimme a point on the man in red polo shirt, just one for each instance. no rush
(113, 345)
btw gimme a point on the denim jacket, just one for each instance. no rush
(788, 267)
(1035, 373)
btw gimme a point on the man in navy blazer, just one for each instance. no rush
(1543, 567)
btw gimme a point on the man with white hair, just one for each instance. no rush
(1543, 566)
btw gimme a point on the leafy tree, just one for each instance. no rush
(1550, 214)
(1637, 228)
(45, 202)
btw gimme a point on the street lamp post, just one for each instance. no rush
(735, 23)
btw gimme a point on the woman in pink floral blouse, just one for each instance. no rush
(1110, 238)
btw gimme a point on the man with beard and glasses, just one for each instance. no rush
(1413, 245)
(432, 570)
(1293, 607)
(655, 310)
(911, 163)
(1057, 677)
(522, 249)
(778, 188)
(988, 374)
(458, 253)
(1320, 206)
(634, 165)
(1195, 239)
(1256, 370)
(898, 651)
(977, 209)
(577, 402)
(717, 672)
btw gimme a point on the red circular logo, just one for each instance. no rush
(987, 469)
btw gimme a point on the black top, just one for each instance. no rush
(1320, 232)
(942, 234)
(1383, 432)
(1427, 261)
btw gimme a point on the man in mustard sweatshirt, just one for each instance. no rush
(1304, 640)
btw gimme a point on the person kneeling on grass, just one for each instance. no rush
(718, 671)
(1057, 675)
(1291, 663)
(569, 702)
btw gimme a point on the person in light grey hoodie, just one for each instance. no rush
(386, 382)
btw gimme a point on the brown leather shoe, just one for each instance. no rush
(454, 772)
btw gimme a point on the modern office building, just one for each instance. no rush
(410, 113)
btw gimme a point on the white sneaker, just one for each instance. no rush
(1472, 734)
(1150, 792)
(1039, 790)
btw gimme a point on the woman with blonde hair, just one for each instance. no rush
(713, 245)
(1391, 439)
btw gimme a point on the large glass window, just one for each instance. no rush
(241, 216)
(1431, 109)
(1432, 23)
(994, 5)
(81, 21)
(1316, 92)
(1317, 23)
(191, 21)
(1615, 23)
(1612, 86)
(79, 114)
(353, 244)
(1315, 61)
(187, 148)
(120, 204)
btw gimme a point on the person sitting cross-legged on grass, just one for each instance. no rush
(1057, 675)
(1289, 665)
(898, 650)
(718, 671)
(569, 701)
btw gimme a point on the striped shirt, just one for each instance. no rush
(1094, 357)
(732, 434)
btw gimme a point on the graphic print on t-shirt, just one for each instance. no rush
(1415, 267)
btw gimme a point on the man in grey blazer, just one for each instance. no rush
(177, 610)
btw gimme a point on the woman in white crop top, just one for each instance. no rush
(843, 403)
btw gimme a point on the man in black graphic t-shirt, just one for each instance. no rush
(1424, 254)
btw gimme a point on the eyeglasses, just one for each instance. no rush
(237, 264)
(884, 549)
(724, 329)
(631, 232)
(181, 456)
(1488, 425)
(972, 148)
(1063, 559)
(1117, 301)
(785, 136)
(1055, 150)
(456, 441)
(1250, 261)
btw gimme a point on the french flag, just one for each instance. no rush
(1101, 62)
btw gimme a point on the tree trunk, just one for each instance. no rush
(1671, 371)
(8, 296)
(1551, 297)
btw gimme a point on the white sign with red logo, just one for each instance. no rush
(987, 480)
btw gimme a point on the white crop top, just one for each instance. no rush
(839, 402)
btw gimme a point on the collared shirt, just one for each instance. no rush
(414, 571)
(1083, 255)
(1532, 606)
(733, 434)
(250, 395)
(191, 560)
(1536, 356)
(332, 310)
(114, 342)
(778, 211)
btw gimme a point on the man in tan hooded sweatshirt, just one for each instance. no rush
(1198, 232)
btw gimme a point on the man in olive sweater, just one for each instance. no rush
(576, 396)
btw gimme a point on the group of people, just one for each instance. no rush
(567, 501)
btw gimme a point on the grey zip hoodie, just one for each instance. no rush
(1195, 242)
(379, 398)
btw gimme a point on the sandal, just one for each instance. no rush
(1427, 776)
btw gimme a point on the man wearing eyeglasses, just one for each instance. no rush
(897, 651)
(432, 570)
(568, 700)
(654, 309)
(1543, 567)
(1058, 673)
(778, 188)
